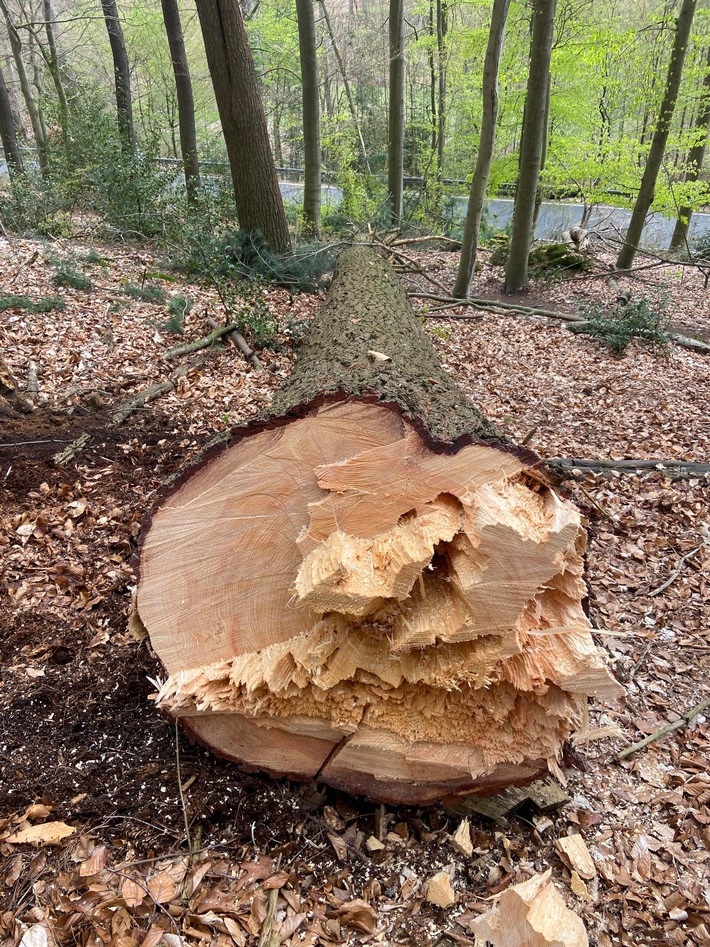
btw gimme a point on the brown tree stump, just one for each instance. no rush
(371, 587)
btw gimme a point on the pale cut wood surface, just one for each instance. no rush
(336, 600)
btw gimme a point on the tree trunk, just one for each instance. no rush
(30, 104)
(479, 184)
(694, 161)
(311, 114)
(8, 135)
(185, 102)
(236, 86)
(348, 90)
(52, 60)
(531, 146)
(647, 189)
(370, 587)
(395, 144)
(122, 75)
(543, 154)
(441, 30)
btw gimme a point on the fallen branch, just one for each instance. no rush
(269, 937)
(241, 343)
(32, 383)
(664, 731)
(127, 407)
(64, 456)
(439, 238)
(678, 570)
(577, 323)
(410, 261)
(683, 466)
(201, 343)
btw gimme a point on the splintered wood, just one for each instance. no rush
(335, 599)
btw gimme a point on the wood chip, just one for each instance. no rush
(575, 854)
(439, 890)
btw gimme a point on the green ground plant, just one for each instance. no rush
(638, 319)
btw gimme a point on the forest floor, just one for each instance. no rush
(94, 798)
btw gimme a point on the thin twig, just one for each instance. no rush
(678, 570)
(188, 837)
(597, 505)
(663, 731)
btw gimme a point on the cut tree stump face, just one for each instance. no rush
(334, 599)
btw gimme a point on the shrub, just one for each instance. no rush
(147, 293)
(640, 319)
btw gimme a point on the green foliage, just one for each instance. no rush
(640, 319)
(247, 307)
(40, 304)
(66, 274)
(178, 308)
(146, 293)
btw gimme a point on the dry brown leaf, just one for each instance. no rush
(47, 833)
(132, 893)
(162, 887)
(95, 863)
(357, 914)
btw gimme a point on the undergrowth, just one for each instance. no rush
(27, 304)
(639, 319)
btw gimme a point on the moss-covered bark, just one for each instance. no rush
(368, 311)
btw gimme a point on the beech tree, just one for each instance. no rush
(694, 160)
(186, 105)
(647, 189)
(8, 135)
(236, 87)
(33, 111)
(532, 144)
(395, 145)
(122, 75)
(479, 184)
(310, 98)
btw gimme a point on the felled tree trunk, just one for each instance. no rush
(371, 587)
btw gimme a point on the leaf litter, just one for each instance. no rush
(93, 849)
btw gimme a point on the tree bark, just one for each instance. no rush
(185, 102)
(479, 184)
(52, 60)
(647, 189)
(236, 86)
(531, 146)
(369, 586)
(8, 135)
(122, 75)
(30, 104)
(441, 31)
(694, 160)
(311, 114)
(395, 143)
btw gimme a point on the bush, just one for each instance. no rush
(147, 293)
(640, 319)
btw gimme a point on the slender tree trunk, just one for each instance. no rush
(30, 104)
(433, 84)
(52, 60)
(236, 86)
(531, 146)
(185, 102)
(479, 184)
(694, 160)
(395, 145)
(122, 75)
(543, 155)
(441, 30)
(311, 114)
(8, 135)
(348, 89)
(647, 189)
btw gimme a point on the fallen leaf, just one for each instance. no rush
(132, 893)
(48, 833)
(162, 887)
(357, 914)
(35, 936)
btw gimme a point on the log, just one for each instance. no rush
(369, 586)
